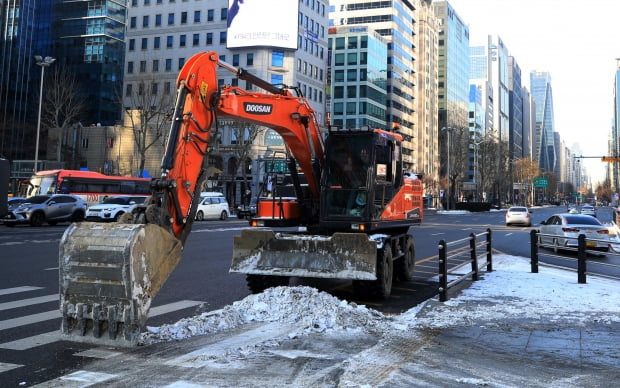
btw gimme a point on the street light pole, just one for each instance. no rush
(447, 129)
(43, 62)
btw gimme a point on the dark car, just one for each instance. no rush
(247, 211)
(47, 208)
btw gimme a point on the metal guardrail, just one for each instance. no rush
(581, 249)
(465, 249)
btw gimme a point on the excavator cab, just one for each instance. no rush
(363, 172)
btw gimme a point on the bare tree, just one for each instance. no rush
(148, 111)
(62, 111)
(244, 134)
(456, 157)
(524, 171)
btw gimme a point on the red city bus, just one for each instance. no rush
(91, 186)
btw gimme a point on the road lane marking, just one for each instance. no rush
(15, 290)
(5, 366)
(28, 302)
(53, 336)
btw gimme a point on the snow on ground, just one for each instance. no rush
(552, 294)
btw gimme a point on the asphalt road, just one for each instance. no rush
(30, 351)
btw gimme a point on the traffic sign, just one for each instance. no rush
(541, 182)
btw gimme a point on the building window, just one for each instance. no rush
(209, 38)
(154, 88)
(132, 22)
(156, 42)
(128, 90)
(181, 63)
(352, 42)
(155, 65)
(158, 20)
(339, 60)
(352, 59)
(352, 75)
(169, 41)
(224, 14)
(339, 43)
(182, 40)
(223, 58)
(145, 21)
(168, 64)
(223, 37)
(351, 91)
(235, 60)
(132, 44)
(170, 19)
(196, 16)
(183, 17)
(147, 2)
(196, 39)
(145, 43)
(339, 92)
(339, 76)
(249, 59)
(130, 67)
(277, 58)
(166, 88)
(142, 66)
(210, 14)
(351, 108)
(85, 142)
(277, 79)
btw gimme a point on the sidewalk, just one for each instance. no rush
(513, 328)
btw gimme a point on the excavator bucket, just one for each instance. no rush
(109, 274)
(340, 256)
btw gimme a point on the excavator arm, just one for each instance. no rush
(110, 273)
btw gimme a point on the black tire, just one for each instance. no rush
(200, 216)
(37, 219)
(52, 223)
(259, 283)
(77, 216)
(405, 266)
(9, 224)
(224, 215)
(385, 272)
(118, 216)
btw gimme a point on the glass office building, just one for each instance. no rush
(540, 83)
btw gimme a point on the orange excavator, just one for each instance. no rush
(344, 213)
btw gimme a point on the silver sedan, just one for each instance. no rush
(561, 231)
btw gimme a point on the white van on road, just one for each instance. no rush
(212, 205)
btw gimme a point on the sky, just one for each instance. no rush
(576, 42)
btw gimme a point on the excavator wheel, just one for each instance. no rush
(259, 283)
(382, 287)
(404, 267)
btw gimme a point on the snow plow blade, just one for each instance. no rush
(341, 256)
(109, 274)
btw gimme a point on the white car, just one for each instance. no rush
(561, 231)
(112, 208)
(588, 210)
(212, 206)
(519, 215)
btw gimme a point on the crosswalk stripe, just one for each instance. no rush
(15, 290)
(29, 319)
(5, 366)
(78, 379)
(53, 336)
(28, 302)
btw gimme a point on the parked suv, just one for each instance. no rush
(212, 206)
(47, 208)
(112, 208)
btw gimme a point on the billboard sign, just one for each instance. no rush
(262, 23)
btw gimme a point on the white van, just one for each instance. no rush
(212, 205)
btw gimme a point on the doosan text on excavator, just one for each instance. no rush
(344, 212)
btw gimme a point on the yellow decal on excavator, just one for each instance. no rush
(204, 87)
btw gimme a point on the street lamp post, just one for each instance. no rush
(43, 62)
(448, 129)
(476, 144)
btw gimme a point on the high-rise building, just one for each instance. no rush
(357, 92)
(515, 123)
(544, 148)
(395, 22)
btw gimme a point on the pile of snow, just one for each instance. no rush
(310, 310)
(511, 291)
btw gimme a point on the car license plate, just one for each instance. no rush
(590, 244)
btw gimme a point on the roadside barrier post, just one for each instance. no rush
(581, 259)
(443, 271)
(534, 250)
(473, 256)
(489, 251)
